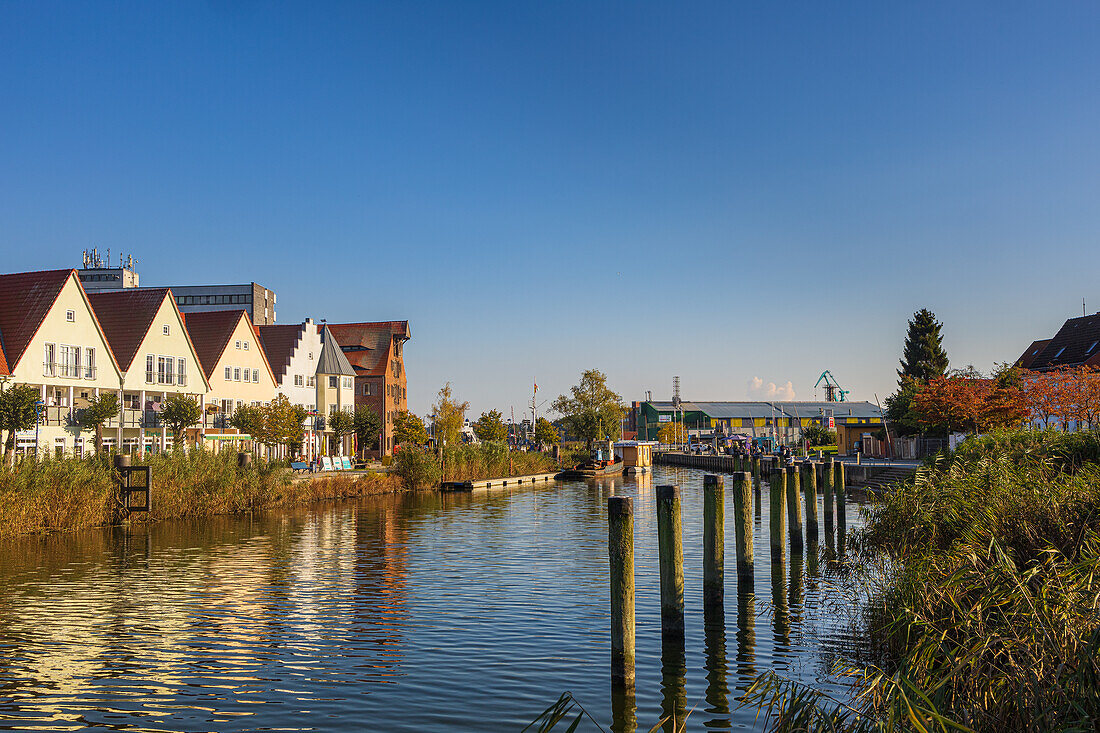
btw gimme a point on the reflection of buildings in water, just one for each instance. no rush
(381, 584)
(127, 615)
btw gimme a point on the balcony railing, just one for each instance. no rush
(67, 370)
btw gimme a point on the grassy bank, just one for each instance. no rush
(79, 493)
(986, 615)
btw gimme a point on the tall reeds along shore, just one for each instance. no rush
(72, 493)
(985, 613)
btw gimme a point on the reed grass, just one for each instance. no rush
(74, 493)
(988, 614)
(491, 460)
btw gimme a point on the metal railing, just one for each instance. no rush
(68, 370)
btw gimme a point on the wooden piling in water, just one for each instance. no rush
(670, 553)
(839, 484)
(742, 519)
(714, 540)
(756, 470)
(794, 509)
(827, 489)
(620, 551)
(777, 495)
(809, 489)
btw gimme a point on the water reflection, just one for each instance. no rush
(426, 612)
(717, 693)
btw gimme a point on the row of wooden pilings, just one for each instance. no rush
(789, 486)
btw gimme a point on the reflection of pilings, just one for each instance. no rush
(673, 674)
(714, 540)
(670, 554)
(827, 489)
(809, 489)
(781, 622)
(714, 637)
(624, 709)
(620, 550)
(794, 509)
(777, 495)
(840, 486)
(796, 587)
(743, 529)
(746, 633)
(813, 552)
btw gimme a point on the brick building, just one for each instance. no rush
(376, 352)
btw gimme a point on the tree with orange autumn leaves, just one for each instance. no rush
(970, 403)
(1060, 397)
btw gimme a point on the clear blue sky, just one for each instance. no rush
(718, 190)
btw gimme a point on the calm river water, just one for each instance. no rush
(412, 613)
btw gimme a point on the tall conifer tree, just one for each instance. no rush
(924, 356)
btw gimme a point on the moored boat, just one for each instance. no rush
(602, 462)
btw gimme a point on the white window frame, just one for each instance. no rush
(49, 360)
(70, 316)
(229, 374)
(236, 374)
(166, 330)
(181, 372)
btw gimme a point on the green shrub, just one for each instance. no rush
(417, 468)
(816, 435)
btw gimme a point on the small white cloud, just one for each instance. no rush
(761, 390)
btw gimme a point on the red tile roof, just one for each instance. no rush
(1031, 353)
(367, 345)
(210, 333)
(125, 317)
(25, 299)
(279, 342)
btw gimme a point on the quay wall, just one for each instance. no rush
(854, 474)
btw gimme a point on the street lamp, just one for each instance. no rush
(38, 405)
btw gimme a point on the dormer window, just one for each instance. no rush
(1059, 352)
(1093, 346)
(70, 316)
(166, 329)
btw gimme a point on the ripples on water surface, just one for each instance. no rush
(408, 613)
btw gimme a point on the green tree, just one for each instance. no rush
(923, 359)
(490, 427)
(592, 410)
(100, 409)
(545, 433)
(249, 420)
(180, 412)
(408, 428)
(18, 411)
(367, 426)
(449, 415)
(341, 423)
(283, 424)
